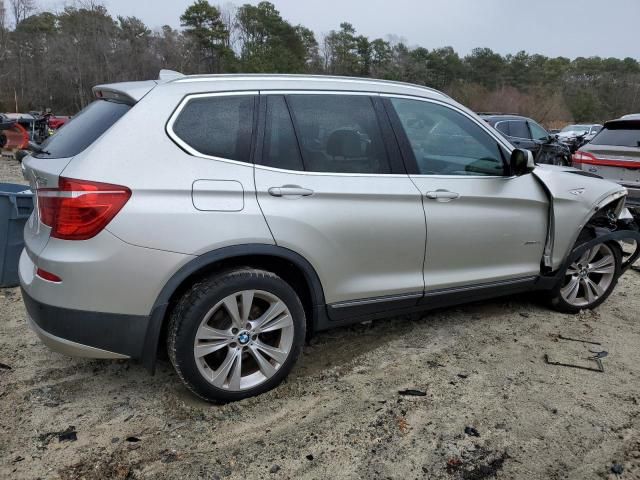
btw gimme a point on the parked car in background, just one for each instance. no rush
(57, 121)
(614, 154)
(5, 124)
(259, 209)
(574, 136)
(523, 132)
(37, 125)
(13, 136)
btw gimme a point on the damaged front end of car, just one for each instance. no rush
(616, 223)
(584, 211)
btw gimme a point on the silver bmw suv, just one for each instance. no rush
(229, 217)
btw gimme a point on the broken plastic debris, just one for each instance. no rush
(413, 393)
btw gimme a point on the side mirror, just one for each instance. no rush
(521, 162)
(20, 154)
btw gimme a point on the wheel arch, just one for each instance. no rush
(286, 263)
(599, 227)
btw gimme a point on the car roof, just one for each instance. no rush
(502, 116)
(229, 82)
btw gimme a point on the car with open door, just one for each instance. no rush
(257, 210)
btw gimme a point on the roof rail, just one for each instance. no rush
(168, 75)
(338, 78)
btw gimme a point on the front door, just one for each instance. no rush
(331, 191)
(483, 226)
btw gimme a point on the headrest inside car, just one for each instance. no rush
(344, 143)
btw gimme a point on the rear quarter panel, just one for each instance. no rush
(138, 153)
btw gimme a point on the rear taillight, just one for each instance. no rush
(79, 209)
(581, 157)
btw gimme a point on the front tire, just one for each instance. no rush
(236, 335)
(589, 280)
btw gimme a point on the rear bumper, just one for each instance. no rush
(87, 334)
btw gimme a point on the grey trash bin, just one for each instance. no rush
(16, 205)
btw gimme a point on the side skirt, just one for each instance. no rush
(347, 313)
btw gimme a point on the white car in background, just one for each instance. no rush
(571, 132)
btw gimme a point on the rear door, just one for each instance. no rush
(521, 136)
(332, 187)
(483, 225)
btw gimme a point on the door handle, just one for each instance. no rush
(290, 191)
(442, 195)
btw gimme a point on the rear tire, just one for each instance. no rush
(236, 335)
(588, 281)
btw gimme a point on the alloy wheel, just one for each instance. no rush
(589, 277)
(243, 340)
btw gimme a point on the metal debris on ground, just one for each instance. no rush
(598, 361)
(562, 337)
(412, 393)
(597, 358)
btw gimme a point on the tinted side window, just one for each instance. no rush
(538, 132)
(218, 126)
(519, 129)
(338, 133)
(83, 129)
(619, 137)
(446, 142)
(503, 127)
(280, 143)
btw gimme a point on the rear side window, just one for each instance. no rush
(218, 126)
(519, 129)
(338, 134)
(503, 127)
(83, 129)
(621, 137)
(538, 132)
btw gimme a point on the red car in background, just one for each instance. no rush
(55, 122)
(18, 129)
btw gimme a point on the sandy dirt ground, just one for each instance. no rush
(493, 408)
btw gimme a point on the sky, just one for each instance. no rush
(569, 28)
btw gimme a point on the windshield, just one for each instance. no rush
(83, 129)
(575, 128)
